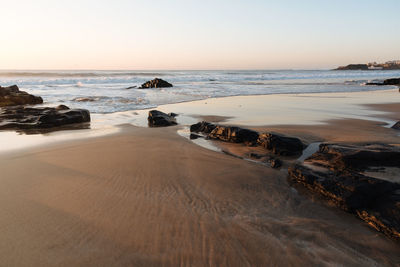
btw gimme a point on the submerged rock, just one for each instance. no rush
(12, 96)
(156, 83)
(19, 118)
(336, 173)
(281, 145)
(160, 119)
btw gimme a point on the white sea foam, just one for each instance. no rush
(63, 86)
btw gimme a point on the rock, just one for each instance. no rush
(375, 201)
(202, 127)
(156, 83)
(393, 81)
(19, 118)
(131, 87)
(226, 133)
(275, 163)
(160, 119)
(234, 135)
(12, 96)
(281, 145)
(337, 172)
(396, 126)
(353, 67)
(346, 158)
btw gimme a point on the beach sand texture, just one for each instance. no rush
(148, 197)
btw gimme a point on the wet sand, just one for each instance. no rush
(148, 197)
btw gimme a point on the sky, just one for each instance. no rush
(193, 34)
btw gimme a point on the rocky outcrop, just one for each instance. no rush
(156, 83)
(281, 145)
(344, 158)
(278, 144)
(353, 67)
(12, 96)
(20, 118)
(160, 119)
(336, 173)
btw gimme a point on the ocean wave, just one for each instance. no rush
(62, 74)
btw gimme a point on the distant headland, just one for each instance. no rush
(389, 65)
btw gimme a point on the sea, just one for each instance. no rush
(104, 92)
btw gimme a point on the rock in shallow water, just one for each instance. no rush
(12, 96)
(156, 83)
(335, 172)
(20, 118)
(160, 119)
(278, 144)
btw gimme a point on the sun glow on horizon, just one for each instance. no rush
(181, 34)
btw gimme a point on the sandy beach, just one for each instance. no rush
(149, 197)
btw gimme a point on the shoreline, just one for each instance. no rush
(379, 106)
(148, 196)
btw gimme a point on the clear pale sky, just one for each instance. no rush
(206, 34)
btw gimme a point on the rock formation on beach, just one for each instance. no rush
(12, 96)
(21, 118)
(160, 119)
(156, 83)
(337, 173)
(277, 144)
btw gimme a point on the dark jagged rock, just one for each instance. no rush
(375, 201)
(20, 118)
(392, 81)
(356, 158)
(12, 96)
(234, 135)
(281, 145)
(156, 83)
(353, 67)
(396, 126)
(160, 119)
(202, 127)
